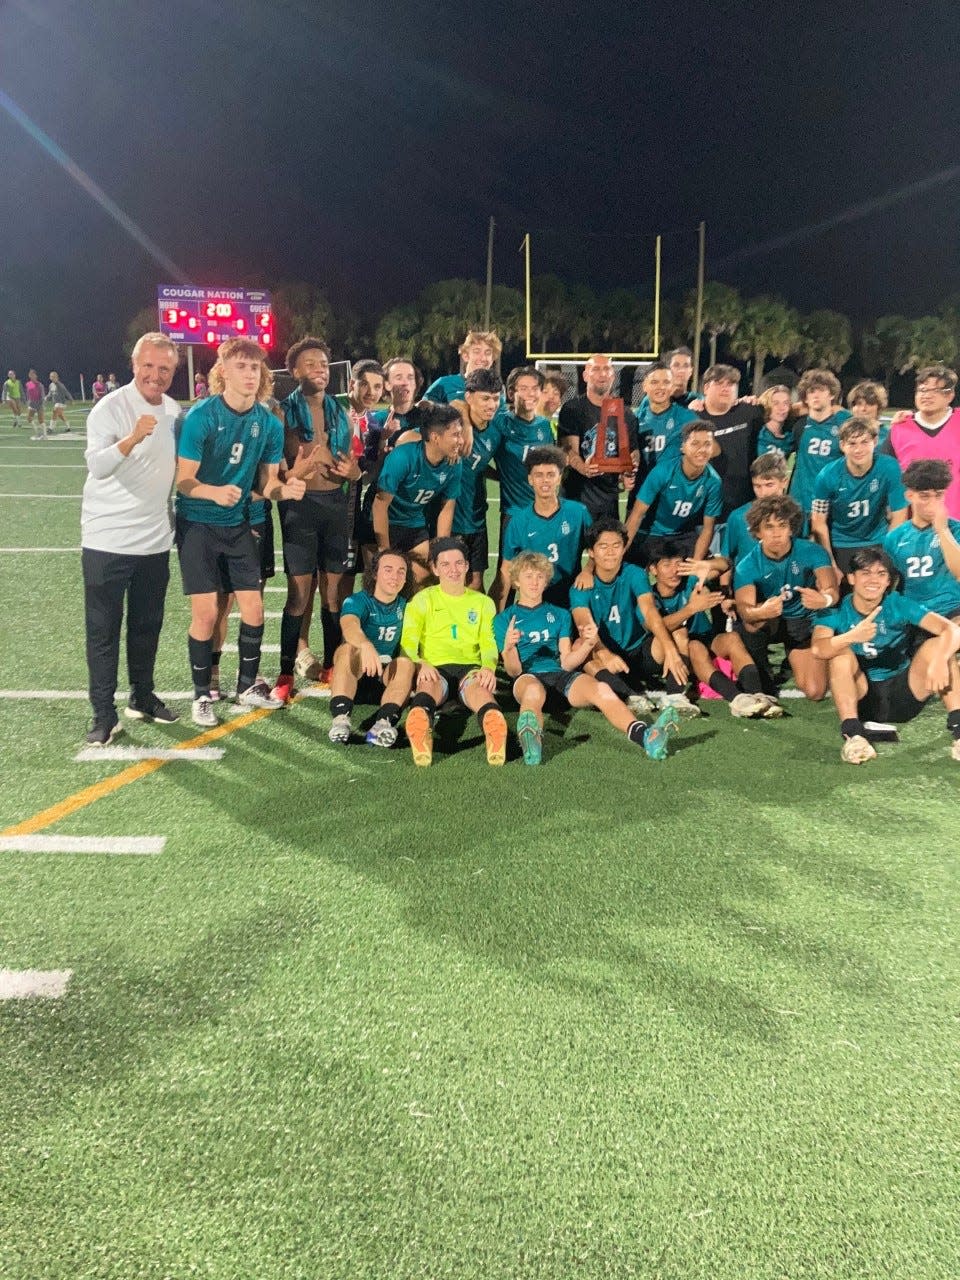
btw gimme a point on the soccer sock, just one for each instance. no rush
(200, 653)
(248, 645)
(673, 684)
(851, 728)
(215, 656)
(485, 710)
(389, 711)
(953, 724)
(748, 679)
(341, 705)
(636, 732)
(424, 701)
(723, 685)
(330, 622)
(289, 636)
(616, 683)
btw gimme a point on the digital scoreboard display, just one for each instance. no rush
(207, 317)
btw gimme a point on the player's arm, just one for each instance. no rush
(948, 543)
(826, 592)
(827, 642)
(224, 495)
(819, 529)
(706, 567)
(700, 600)
(635, 518)
(445, 518)
(106, 447)
(272, 487)
(937, 672)
(381, 519)
(487, 643)
(897, 517)
(702, 545)
(673, 664)
(353, 634)
(502, 585)
(414, 623)
(511, 653)
(754, 615)
(584, 622)
(573, 655)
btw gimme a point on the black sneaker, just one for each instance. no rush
(103, 732)
(150, 709)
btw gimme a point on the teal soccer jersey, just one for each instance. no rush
(700, 624)
(737, 540)
(446, 389)
(677, 503)
(767, 442)
(856, 506)
(541, 630)
(470, 513)
(924, 575)
(660, 432)
(817, 446)
(783, 578)
(380, 623)
(614, 607)
(230, 447)
(890, 650)
(517, 438)
(559, 537)
(415, 482)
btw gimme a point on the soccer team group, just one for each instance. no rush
(850, 559)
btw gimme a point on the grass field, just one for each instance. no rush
(604, 1018)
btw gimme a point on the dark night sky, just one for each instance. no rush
(365, 146)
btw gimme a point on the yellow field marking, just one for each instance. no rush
(80, 799)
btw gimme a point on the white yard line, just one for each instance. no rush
(93, 755)
(62, 497)
(9, 551)
(78, 695)
(83, 844)
(28, 984)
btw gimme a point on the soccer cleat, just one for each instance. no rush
(495, 733)
(748, 706)
(656, 738)
(326, 676)
(283, 690)
(201, 713)
(531, 737)
(259, 694)
(381, 734)
(103, 732)
(214, 684)
(151, 709)
(682, 705)
(955, 749)
(339, 730)
(307, 665)
(640, 704)
(420, 736)
(773, 709)
(857, 750)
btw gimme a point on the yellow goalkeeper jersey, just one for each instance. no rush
(450, 630)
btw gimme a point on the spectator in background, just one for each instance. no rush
(34, 390)
(112, 382)
(932, 431)
(58, 396)
(199, 387)
(13, 395)
(99, 388)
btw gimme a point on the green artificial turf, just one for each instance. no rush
(601, 1018)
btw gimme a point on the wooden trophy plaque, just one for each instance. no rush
(611, 452)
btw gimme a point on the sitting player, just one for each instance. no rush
(694, 617)
(768, 475)
(367, 667)
(925, 550)
(616, 597)
(876, 673)
(779, 587)
(683, 494)
(448, 632)
(534, 638)
(857, 498)
(553, 525)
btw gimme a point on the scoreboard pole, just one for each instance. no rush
(189, 370)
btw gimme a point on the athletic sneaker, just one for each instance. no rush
(495, 732)
(420, 736)
(201, 713)
(381, 734)
(857, 750)
(258, 695)
(640, 704)
(307, 665)
(284, 689)
(773, 709)
(748, 706)
(151, 709)
(656, 738)
(682, 704)
(531, 737)
(103, 732)
(214, 684)
(340, 729)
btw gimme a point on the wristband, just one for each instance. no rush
(829, 599)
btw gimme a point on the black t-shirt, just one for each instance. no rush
(737, 432)
(581, 417)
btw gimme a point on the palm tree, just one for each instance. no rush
(884, 348)
(768, 328)
(825, 340)
(932, 341)
(722, 312)
(549, 306)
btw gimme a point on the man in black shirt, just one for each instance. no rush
(577, 434)
(735, 428)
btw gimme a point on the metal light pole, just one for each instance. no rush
(698, 320)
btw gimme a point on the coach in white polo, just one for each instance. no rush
(126, 533)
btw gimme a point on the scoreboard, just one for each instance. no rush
(207, 317)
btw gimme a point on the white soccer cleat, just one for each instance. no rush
(682, 705)
(640, 704)
(857, 750)
(307, 665)
(340, 729)
(748, 706)
(202, 713)
(773, 709)
(259, 695)
(381, 734)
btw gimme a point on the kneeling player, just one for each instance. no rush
(867, 640)
(448, 632)
(691, 609)
(534, 639)
(367, 664)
